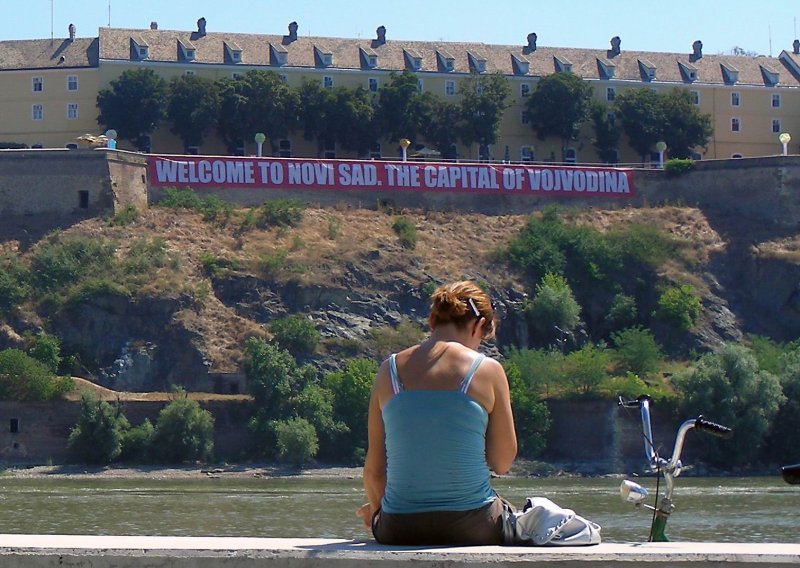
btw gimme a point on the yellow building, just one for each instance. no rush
(48, 88)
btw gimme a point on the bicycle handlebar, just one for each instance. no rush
(712, 427)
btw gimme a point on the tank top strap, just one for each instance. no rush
(397, 384)
(471, 373)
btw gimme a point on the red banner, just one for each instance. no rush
(288, 173)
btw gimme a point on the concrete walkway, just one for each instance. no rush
(39, 551)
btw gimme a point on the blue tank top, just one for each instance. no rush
(435, 449)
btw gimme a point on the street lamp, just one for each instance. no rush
(404, 144)
(259, 138)
(784, 139)
(661, 146)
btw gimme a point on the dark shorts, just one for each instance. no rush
(473, 527)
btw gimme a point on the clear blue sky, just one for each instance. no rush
(643, 26)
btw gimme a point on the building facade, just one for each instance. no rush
(48, 88)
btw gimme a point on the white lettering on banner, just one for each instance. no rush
(271, 172)
(461, 177)
(310, 173)
(205, 172)
(358, 174)
(578, 180)
(402, 176)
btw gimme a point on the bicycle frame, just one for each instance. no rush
(670, 469)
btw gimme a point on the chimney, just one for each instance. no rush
(380, 35)
(615, 50)
(71, 30)
(292, 32)
(153, 25)
(531, 47)
(697, 51)
(201, 27)
(796, 47)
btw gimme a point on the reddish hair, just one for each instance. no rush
(460, 303)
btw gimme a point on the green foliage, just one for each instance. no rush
(273, 377)
(388, 340)
(606, 133)
(623, 312)
(402, 111)
(769, 354)
(47, 350)
(351, 389)
(60, 261)
(137, 443)
(133, 105)
(553, 307)
(679, 306)
(214, 209)
(728, 387)
(444, 126)
(406, 231)
(180, 198)
(14, 288)
(531, 416)
(23, 378)
(128, 216)
(540, 369)
(333, 228)
(97, 437)
(280, 213)
(558, 106)
(782, 439)
(484, 99)
(271, 265)
(636, 351)
(587, 369)
(295, 333)
(296, 441)
(183, 432)
(678, 166)
(193, 108)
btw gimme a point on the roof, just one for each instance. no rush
(48, 54)
(113, 44)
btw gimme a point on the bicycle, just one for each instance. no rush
(632, 492)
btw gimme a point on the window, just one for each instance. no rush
(449, 88)
(526, 154)
(375, 152)
(695, 95)
(614, 157)
(329, 150)
(327, 82)
(420, 85)
(611, 94)
(373, 84)
(525, 89)
(327, 59)
(83, 199)
(72, 82)
(72, 111)
(736, 156)
(284, 78)
(696, 156)
(525, 117)
(37, 84)
(146, 143)
(776, 100)
(236, 56)
(372, 60)
(776, 126)
(735, 99)
(143, 52)
(189, 73)
(735, 125)
(193, 150)
(13, 426)
(285, 148)
(37, 112)
(570, 156)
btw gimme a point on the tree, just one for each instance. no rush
(97, 437)
(531, 416)
(133, 105)
(554, 310)
(443, 128)
(341, 115)
(606, 133)
(258, 101)
(14, 277)
(183, 432)
(679, 306)
(47, 350)
(642, 117)
(295, 333)
(636, 351)
(351, 389)
(193, 108)
(402, 111)
(686, 127)
(728, 387)
(782, 439)
(296, 441)
(587, 368)
(484, 100)
(558, 107)
(23, 378)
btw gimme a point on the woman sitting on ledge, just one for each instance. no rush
(439, 420)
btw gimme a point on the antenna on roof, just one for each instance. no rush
(770, 39)
(109, 13)
(51, 20)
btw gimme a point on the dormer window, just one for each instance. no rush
(729, 74)
(477, 63)
(562, 64)
(606, 69)
(688, 72)
(369, 59)
(233, 52)
(278, 55)
(771, 77)
(323, 57)
(647, 70)
(413, 59)
(186, 50)
(520, 65)
(445, 61)
(139, 49)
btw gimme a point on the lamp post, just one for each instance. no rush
(259, 138)
(661, 146)
(784, 139)
(404, 144)
(111, 135)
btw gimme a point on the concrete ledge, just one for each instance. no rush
(40, 551)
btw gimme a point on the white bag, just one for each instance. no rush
(543, 523)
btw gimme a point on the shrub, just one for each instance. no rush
(406, 232)
(214, 209)
(97, 437)
(14, 277)
(333, 228)
(137, 443)
(388, 340)
(60, 262)
(623, 311)
(678, 166)
(586, 369)
(23, 378)
(531, 416)
(636, 351)
(295, 333)
(553, 308)
(127, 216)
(679, 306)
(351, 389)
(540, 369)
(183, 432)
(280, 213)
(47, 350)
(183, 198)
(296, 440)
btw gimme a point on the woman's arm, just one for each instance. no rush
(501, 438)
(375, 463)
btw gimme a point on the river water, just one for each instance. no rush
(762, 509)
